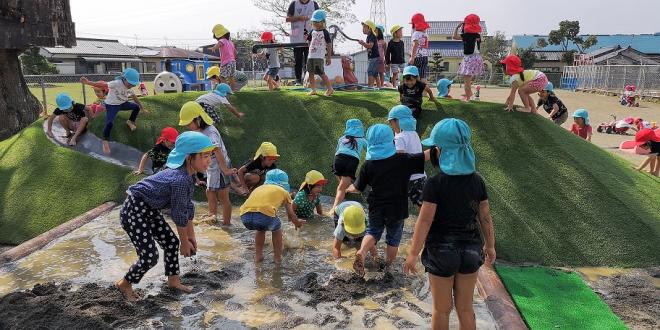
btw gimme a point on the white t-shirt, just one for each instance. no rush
(318, 42)
(409, 142)
(212, 99)
(422, 43)
(212, 133)
(118, 93)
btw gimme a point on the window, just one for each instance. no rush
(150, 67)
(200, 72)
(446, 66)
(111, 67)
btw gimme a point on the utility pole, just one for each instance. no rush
(378, 14)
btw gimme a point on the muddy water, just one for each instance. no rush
(309, 290)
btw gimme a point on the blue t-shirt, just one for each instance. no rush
(340, 233)
(344, 147)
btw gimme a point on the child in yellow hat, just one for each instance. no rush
(307, 198)
(253, 173)
(350, 227)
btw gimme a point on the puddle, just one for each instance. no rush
(309, 290)
(595, 273)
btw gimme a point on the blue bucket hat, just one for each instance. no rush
(188, 143)
(582, 113)
(404, 115)
(354, 128)
(453, 138)
(549, 87)
(132, 76)
(380, 142)
(64, 101)
(443, 87)
(318, 15)
(278, 178)
(222, 90)
(381, 28)
(411, 70)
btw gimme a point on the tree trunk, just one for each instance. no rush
(18, 107)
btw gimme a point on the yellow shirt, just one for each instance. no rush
(528, 74)
(266, 199)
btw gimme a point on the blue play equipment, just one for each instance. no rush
(191, 72)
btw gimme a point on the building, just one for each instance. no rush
(91, 56)
(160, 59)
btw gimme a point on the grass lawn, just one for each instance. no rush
(43, 185)
(550, 299)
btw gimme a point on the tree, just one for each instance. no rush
(493, 49)
(34, 63)
(527, 57)
(568, 32)
(437, 63)
(25, 24)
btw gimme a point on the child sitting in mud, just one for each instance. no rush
(159, 152)
(253, 173)
(350, 226)
(259, 212)
(141, 218)
(72, 116)
(307, 199)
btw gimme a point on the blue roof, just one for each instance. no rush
(645, 43)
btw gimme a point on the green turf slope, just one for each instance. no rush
(556, 199)
(43, 185)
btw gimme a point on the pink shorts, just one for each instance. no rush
(539, 83)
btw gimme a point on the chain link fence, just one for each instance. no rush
(613, 78)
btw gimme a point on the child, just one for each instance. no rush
(219, 170)
(259, 212)
(472, 65)
(650, 140)
(373, 54)
(454, 227)
(273, 58)
(141, 218)
(347, 157)
(444, 87)
(380, 37)
(227, 54)
(388, 174)
(406, 141)
(143, 89)
(581, 125)
(395, 54)
(555, 108)
(412, 90)
(526, 82)
(350, 226)
(253, 173)
(307, 198)
(210, 101)
(320, 47)
(419, 55)
(72, 116)
(213, 74)
(159, 152)
(101, 92)
(117, 100)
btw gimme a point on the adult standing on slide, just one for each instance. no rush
(299, 14)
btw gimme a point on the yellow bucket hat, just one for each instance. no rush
(395, 28)
(314, 177)
(191, 110)
(212, 71)
(371, 25)
(219, 30)
(266, 149)
(354, 220)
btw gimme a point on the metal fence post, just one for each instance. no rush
(43, 93)
(83, 93)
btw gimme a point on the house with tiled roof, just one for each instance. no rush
(92, 56)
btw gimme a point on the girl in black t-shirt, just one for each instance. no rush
(555, 108)
(159, 152)
(72, 116)
(472, 65)
(253, 173)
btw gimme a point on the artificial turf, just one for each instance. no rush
(556, 199)
(550, 299)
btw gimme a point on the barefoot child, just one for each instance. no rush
(227, 54)
(419, 54)
(253, 173)
(101, 93)
(307, 199)
(555, 108)
(72, 116)
(347, 157)
(373, 54)
(444, 88)
(525, 82)
(406, 141)
(273, 57)
(210, 101)
(219, 170)
(472, 65)
(411, 91)
(259, 212)
(395, 57)
(320, 48)
(650, 140)
(159, 152)
(382, 45)
(581, 125)
(141, 218)
(350, 226)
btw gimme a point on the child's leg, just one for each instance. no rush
(393, 238)
(381, 79)
(644, 163)
(655, 166)
(135, 110)
(441, 291)
(278, 246)
(169, 242)
(468, 87)
(370, 81)
(252, 180)
(110, 114)
(223, 195)
(328, 85)
(374, 252)
(259, 240)
(66, 124)
(212, 198)
(344, 183)
(312, 83)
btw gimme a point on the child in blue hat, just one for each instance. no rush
(347, 157)
(259, 212)
(412, 90)
(453, 218)
(72, 116)
(406, 141)
(142, 220)
(320, 52)
(557, 111)
(444, 87)
(581, 125)
(210, 101)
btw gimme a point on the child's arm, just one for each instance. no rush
(319, 209)
(486, 222)
(137, 101)
(352, 190)
(424, 221)
(555, 109)
(291, 214)
(49, 132)
(216, 46)
(186, 247)
(95, 84)
(413, 52)
(430, 93)
(367, 45)
(143, 162)
(512, 96)
(191, 237)
(456, 35)
(336, 249)
(223, 163)
(235, 111)
(589, 136)
(328, 53)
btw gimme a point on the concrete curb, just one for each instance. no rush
(498, 301)
(30, 246)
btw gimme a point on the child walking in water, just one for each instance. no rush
(581, 125)
(373, 54)
(227, 54)
(525, 82)
(395, 54)
(141, 218)
(159, 152)
(320, 53)
(307, 199)
(407, 141)
(350, 226)
(472, 65)
(347, 157)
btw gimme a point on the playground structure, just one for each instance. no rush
(191, 75)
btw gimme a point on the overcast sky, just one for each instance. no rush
(188, 23)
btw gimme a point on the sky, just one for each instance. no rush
(188, 23)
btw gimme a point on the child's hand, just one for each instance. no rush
(186, 248)
(490, 255)
(193, 243)
(240, 115)
(200, 183)
(328, 61)
(84, 80)
(411, 61)
(409, 268)
(138, 172)
(299, 223)
(230, 171)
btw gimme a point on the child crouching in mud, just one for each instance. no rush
(141, 218)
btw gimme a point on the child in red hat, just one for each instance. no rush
(273, 57)
(419, 55)
(159, 152)
(525, 82)
(473, 64)
(650, 140)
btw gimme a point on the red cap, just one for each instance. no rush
(471, 24)
(513, 64)
(266, 36)
(420, 22)
(646, 135)
(168, 134)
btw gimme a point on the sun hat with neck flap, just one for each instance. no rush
(471, 24)
(354, 128)
(266, 149)
(403, 114)
(279, 178)
(380, 142)
(453, 137)
(188, 143)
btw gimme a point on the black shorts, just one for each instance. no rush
(448, 259)
(422, 64)
(345, 165)
(415, 190)
(415, 108)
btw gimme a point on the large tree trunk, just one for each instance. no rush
(18, 107)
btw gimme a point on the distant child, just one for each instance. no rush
(210, 101)
(140, 215)
(253, 172)
(406, 141)
(388, 174)
(273, 58)
(219, 170)
(227, 54)
(525, 82)
(101, 92)
(557, 111)
(472, 65)
(581, 125)
(259, 212)
(307, 199)
(159, 152)
(373, 54)
(650, 140)
(444, 88)
(412, 90)
(395, 55)
(419, 54)
(347, 157)
(320, 48)
(143, 89)
(350, 227)
(72, 116)
(382, 45)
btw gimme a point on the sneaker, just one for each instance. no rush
(298, 83)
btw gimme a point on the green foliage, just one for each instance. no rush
(33, 63)
(528, 57)
(493, 49)
(568, 32)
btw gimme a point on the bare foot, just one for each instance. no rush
(174, 282)
(126, 290)
(277, 260)
(358, 265)
(312, 93)
(106, 147)
(72, 142)
(258, 258)
(131, 125)
(329, 92)
(226, 222)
